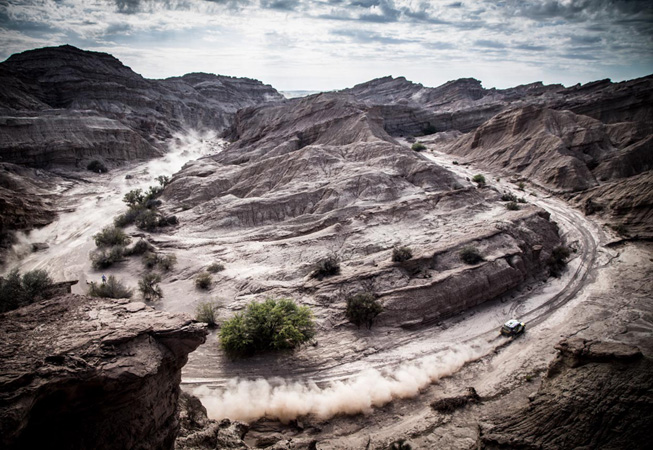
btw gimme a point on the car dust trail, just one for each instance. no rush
(283, 400)
(93, 205)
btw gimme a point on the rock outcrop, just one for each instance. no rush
(595, 395)
(79, 372)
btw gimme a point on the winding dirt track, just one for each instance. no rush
(475, 328)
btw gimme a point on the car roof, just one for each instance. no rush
(512, 323)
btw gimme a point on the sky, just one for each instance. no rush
(333, 44)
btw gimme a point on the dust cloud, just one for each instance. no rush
(248, 400)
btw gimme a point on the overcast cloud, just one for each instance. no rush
(332, 44)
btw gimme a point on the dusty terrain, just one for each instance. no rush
(292, 182)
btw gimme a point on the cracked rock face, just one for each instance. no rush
(595, 395)
(79, 372)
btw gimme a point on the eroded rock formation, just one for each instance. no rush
(595, 395)
(79, 372)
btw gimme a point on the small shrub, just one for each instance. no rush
(206, 312)
(400, 444)
(508, 197)
(418, 147)
(111, 236)
(429, 129)
(215, 267)
(401, 254)
(113, 288)
(470, 255)
(512, 206)
(139, 248)
(163, 180)
(521, 185)
(103, 258)
(17, 291)
(455, 163)
(327, 267)
(621, 229)
(147, 220)
(271, 325)
(150, 260)
(149, 287)
(529, 378)
(362, 309)
(521, 200)
(129, 217)
(558, 260)
(97, 166)
(203, 281)
(167, 262)
(479, 179)
(134, 197)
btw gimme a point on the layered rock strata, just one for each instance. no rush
(79, 372)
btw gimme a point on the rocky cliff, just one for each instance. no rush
(78, 372)
(595, 395)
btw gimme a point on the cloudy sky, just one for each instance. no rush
(332, 44)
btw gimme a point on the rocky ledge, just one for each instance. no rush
(79, 372)
(595, 395)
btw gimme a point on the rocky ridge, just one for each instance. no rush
(595, 395)
(80, 372)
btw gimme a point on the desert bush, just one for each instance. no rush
(113, 288)
(150, 260)
(455, 163)
(97, 166)
(111, 236)
(418, 147)
(140, 248)
(167, 220)
(163, 180)
(134, 197)
(479, 179)
(326, 267)
(206, 312)
(521, 200)
(521, 185)
(401, 254)
(400, 444)
(103, 258)
(270, 325)
(558, 260)
(203, 280)
(17, 291)
(167, 262)
(129, 217)
(215, 267)
(512, 206)
(362, 309)
(147, 220)
(429, 129)
(149, 287)
(508, 197)
(470, 255)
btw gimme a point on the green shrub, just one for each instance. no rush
(271, 325)
(215, 267)
(134, 197)
(97, 166)
(512, 206)
(521, 185)
(362, 309)
(147, 220)
(508, 197)
(418, 147)
(401, 444)
(17, 291)
(111, 236)
(103, 258)
(113, 288)
(206, 312)
(149, 287)
(558, 260)
(429, 129)
(150, 260)
(326, 267)
(455, 163)
(479, 179)
(163, 180)
(203, 281)
(401, 254)
(470, 255)
(139, 248)
(129, 217)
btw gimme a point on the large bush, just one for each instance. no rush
(112, 288)
(149, 287)
(111, 236)
(479, 179)
(270, 325)
(418, 147)
(362, 309)
(103, 258)
(17, 291)
(203, 281)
